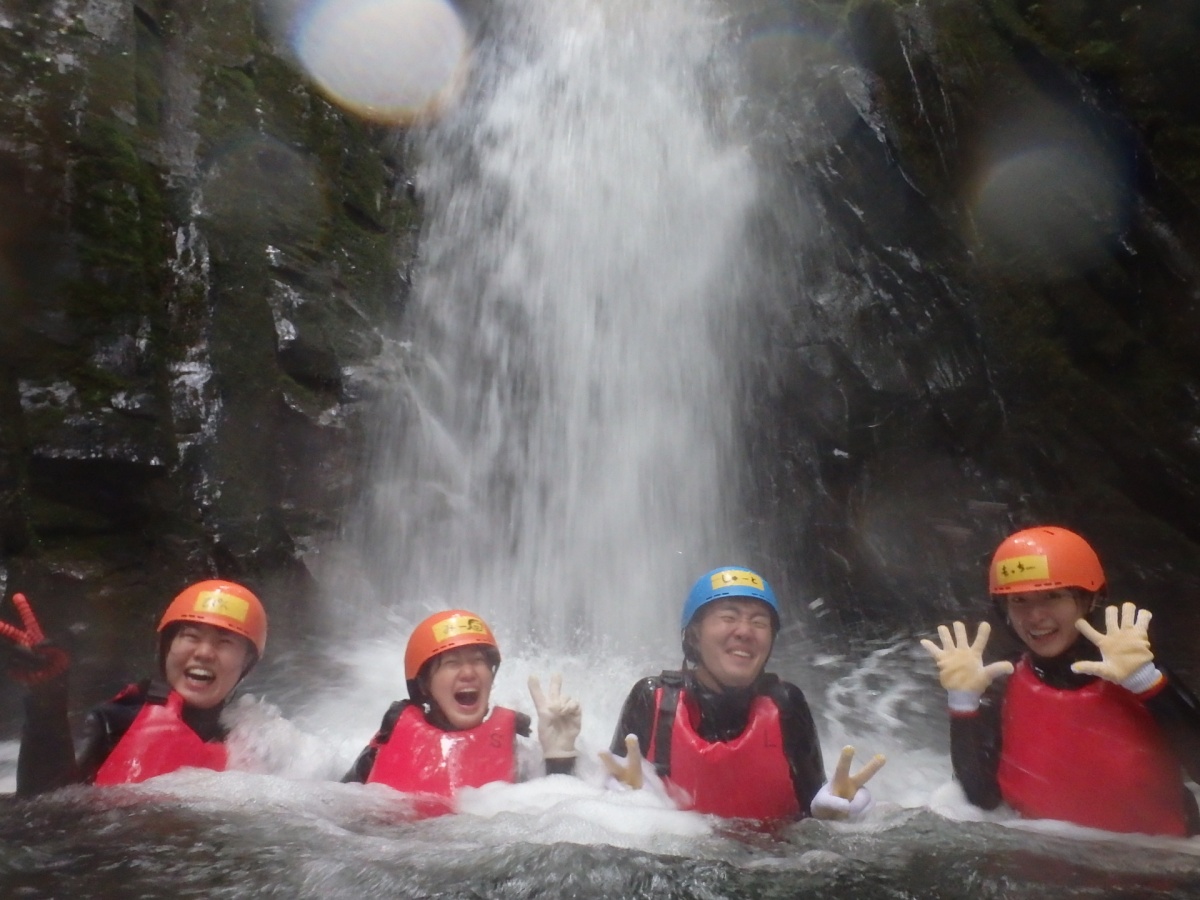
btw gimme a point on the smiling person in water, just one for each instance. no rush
(446, 735)
(725, 736)
(1088, 729)
(210, 637)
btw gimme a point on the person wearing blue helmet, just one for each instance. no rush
(726, 737)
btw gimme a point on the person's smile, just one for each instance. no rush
(1045, 620)
(733, 641)
(204, 663)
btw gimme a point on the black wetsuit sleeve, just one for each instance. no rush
(97, 741)
(1176, 709)
(801, 746)
(637, 717)
(975, 749)
(46, 759)
(361, 770)
(103, 728)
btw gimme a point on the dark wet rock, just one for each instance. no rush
(196, 252)
(991, 319)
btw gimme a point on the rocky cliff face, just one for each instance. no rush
(990, 322)
(979, 272)
(198, 259)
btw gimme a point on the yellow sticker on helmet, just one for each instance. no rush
(1022, 568)
(729, 577)
(453, 627)
(222, 604)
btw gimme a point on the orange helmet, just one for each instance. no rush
(1040, 559)
(224, 604)
(444, 631)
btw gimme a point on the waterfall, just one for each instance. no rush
(561, 455)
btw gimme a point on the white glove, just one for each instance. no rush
(828, 805)
(559, 719)
(1126, 657)
(845, 795)
(960, 665)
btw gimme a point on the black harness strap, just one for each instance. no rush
(389, 721)
(157, 691)
(671, 683)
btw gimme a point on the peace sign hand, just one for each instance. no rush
(559, 718)
(32, 659)
(629, 770)
(846, 785)
(845, 795)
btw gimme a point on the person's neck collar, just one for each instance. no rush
(1056, 670)
(709, 682)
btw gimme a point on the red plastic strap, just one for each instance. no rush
(32, 629)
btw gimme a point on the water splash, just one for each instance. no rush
(559, 457)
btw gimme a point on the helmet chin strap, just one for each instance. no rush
(251, 662)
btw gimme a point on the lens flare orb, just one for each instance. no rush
(389, 61)
(1052, 208)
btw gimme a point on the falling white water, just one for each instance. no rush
(560, 457)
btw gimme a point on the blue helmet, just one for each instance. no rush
(730, 581)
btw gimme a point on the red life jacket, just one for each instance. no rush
(420, 758)
(745, 778)
(157, 742)
(1092, 756)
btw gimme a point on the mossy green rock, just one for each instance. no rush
(196, 250)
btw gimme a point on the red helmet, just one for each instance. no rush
(444, 631)
(224, 604)
(1044, 558)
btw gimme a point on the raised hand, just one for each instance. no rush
(627, 771)
(1124, 647)
(960, 662)
(846, 785)
(32, 659)
(559, 718)
(845, 795)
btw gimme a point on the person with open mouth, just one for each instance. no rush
(446, 735)
(210, 637)
(1088, 728)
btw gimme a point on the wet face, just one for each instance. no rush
(460, 685)
(732, 641)
(204, 663)
(1045, 620)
